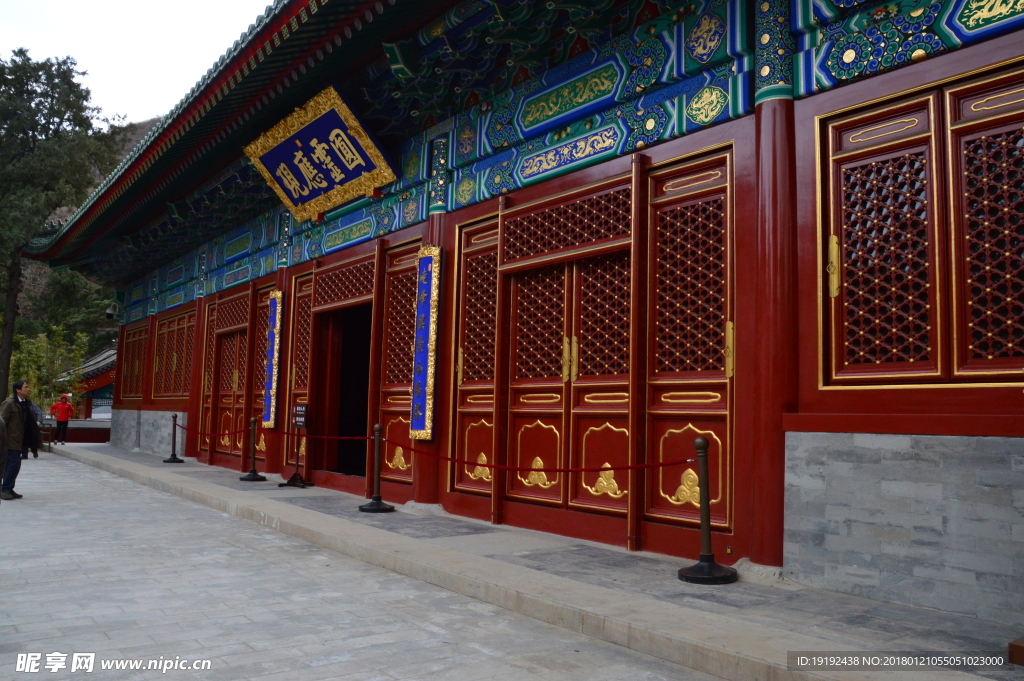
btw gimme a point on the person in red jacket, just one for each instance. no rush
(63, 410)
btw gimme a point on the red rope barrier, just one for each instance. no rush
(196, 432)
(546, 470)
(492, 466)
(287, 432)
(328, 437)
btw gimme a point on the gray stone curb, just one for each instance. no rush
(712, 643)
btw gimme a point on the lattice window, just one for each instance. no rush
(401, 311)
(132, 369)
(886, 268)
(604, 315)
(181, 378)
(993, 245)
(260, 361)
(539, 325)
(228, 350)
(480, 293)
(233, 312)
(174, 356)
(568, 225)
(241, 365)
(341, 284)
(690, 315)
(211, 343)
(303, 331)
(161, 373)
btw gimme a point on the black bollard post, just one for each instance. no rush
(253, 475)
(296, 479)
(174, 441)
(376, 505)
(706, 571)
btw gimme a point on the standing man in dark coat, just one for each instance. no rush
(22, 435)
(3, 445)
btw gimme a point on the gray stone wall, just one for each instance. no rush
(929, 521)
(124, 428)
(147, 431)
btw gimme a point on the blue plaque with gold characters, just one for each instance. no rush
(319, 157)
(424, 365)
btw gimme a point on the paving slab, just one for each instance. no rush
(739, 631)
(159, 577)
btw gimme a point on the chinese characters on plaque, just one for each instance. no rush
(319, 157)
(428, 275)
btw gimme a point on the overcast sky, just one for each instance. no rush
(141, 57)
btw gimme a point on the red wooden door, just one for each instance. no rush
(477, 297)
(570, 382)
(396, 378)
(690, 339)
(539, 376)
(231, 391)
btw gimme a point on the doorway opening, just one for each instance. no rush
(354, 386)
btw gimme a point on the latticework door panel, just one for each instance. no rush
(234, 312)
(481, 296)
(173, 356)
(539, 325)
(604, 315)
(228, 356)
(211, 325)
(401, 311)
(690, 315)
(884, 315)
(302, 331)
(260, 360)
(343, 283)
(131, 370)
(571, 224)
(990, 243)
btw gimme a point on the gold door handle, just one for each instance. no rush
(566, 358)
(575, 358)
(833, 266)
(458, 367)
(730, 349)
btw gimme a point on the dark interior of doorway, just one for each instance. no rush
(354, 387)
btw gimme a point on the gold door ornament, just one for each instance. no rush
(537, 477)
(398, 460)
(606, 482)
(225, 439)
(688, 491)
(480, 472)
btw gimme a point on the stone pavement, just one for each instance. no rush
(739, 631)
(93, 562)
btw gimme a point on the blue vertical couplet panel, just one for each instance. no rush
(273, 348)
(424, 362)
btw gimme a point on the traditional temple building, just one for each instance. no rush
(556, 234)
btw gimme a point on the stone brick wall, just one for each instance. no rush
(929, 521)
(147, 431)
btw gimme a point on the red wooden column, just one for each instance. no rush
(250, 379)
(776, 334)
(425, 479)
(502, 347)
(195, 382)
(376, 358)
(637, 354)
(149, 364)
